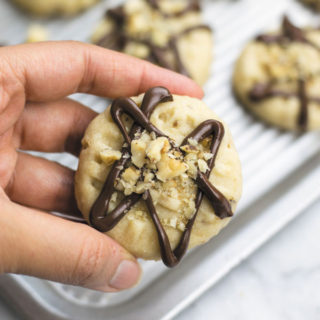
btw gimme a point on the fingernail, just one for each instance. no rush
(126, 275)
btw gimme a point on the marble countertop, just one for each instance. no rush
(281, 281)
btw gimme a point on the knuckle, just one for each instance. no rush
(90, 260)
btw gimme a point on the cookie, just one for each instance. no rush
(55, 7)
(37, 33)
(314, 4)
(158, 186)
(277, 77)
(165, 32)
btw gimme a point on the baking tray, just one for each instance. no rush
(281, 173)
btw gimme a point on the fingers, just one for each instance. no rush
(37, 244)
(8, 158)
(53, 70)
(53, 126)
(42, 184)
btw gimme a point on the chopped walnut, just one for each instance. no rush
(138, 151)
(109, 156)
(190, 160)
(119, 186)
(169, 168)
(166, 171)
(170, 184)
(128, 188)
(181, 226)
(207, 156)
(142, 187)
(203, 166)
(153, 136)
(156, 148)
(114, 197)
(145, 137)
(148, 176)
(189, 148)
(131, 175)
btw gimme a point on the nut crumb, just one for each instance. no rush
(138, 151)
(203, 166)
(181, 226)
(207, 156)
(109, 156)
(169, 168)
(153, 135)
(156, 148)
(131, 175)
(188, 148)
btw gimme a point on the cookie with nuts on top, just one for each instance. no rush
(165, 32)
(277, 77)
(159, 173)
(55, 7)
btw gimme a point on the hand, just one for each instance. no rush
(35, 115)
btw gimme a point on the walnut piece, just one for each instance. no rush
(138, 151)
(203, 167)
(169, 168)
(109, 156)
(156, 148)
(131, 175)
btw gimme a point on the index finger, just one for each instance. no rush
(53, 70)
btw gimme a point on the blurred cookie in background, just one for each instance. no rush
(37, 33)
(168, 33)
(277, 77)
(55, 7)
(314, 4)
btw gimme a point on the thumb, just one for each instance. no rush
(38, 244)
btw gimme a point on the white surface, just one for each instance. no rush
(279, 282)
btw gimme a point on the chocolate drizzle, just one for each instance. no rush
(117, 39)
(104, 221)
(260, 91)
(290, 33)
